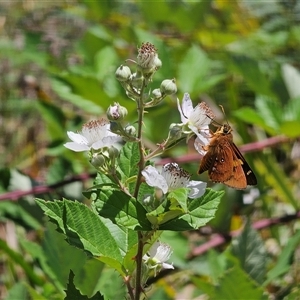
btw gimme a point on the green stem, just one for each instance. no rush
(141, 165)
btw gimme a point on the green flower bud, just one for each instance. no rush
(116, 112)
(123, 73)
(113, 152)
(98, 160)
(175, 131)
(168, 86)
(157, 63)
(130, 130)
(156, 93)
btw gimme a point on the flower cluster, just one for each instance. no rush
(102, 139)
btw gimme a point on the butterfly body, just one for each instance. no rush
(225, 163)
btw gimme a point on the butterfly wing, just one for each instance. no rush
(249, 174)
(221, 168)
(218, 160)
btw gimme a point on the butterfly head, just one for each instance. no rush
(226, 129)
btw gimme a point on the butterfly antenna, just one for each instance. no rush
(223, 111)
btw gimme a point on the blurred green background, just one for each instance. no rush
(57, 65)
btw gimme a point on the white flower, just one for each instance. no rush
(173, 177)
(94, 135)
(197, 120)
(157, 256)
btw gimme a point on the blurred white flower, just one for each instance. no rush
(94, 135)
(173, 177)
(197, 120)
(157, 256)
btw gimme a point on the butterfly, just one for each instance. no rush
(224, 161)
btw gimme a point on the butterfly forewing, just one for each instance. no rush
(221, 169)
(225, 163)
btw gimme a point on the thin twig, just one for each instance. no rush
(218, 239)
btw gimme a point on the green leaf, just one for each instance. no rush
(73, 293)
(19, 259)
(191, 78)
(17, 291)
(217, 264)
(120, 208)
(64, 90)
(83, 229)
(159, 216)
(291, 128)
(249, 248)
(249, 115)
(179, 196)
(270, 110)
(15, 212)
(54, 118)
(128, 161)
(55, 253)
(87, 86)
(251, 71)
(200, 211)
(236, 284)
(283, 264)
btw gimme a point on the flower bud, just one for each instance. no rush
(130, 130)
(157, 63)
(116, 112)
(98, 160)
(123, 73)
(168, 86)
(113, 152)
(147, 55)
(175, 131)
(156, 93)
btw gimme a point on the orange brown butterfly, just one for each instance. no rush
(225, 163)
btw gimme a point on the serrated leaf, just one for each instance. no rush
(157, 219)
(283, 264)
(102, 179)
(73, 293)
(120, 208)
(128, 162)
(200, 211)
(180, 196)
(83, 229)
(249, 248)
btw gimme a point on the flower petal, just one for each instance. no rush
(197, 188)
(186, 108)
(76, 147)
(153, 178)
(167, 266)
(77, 138)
